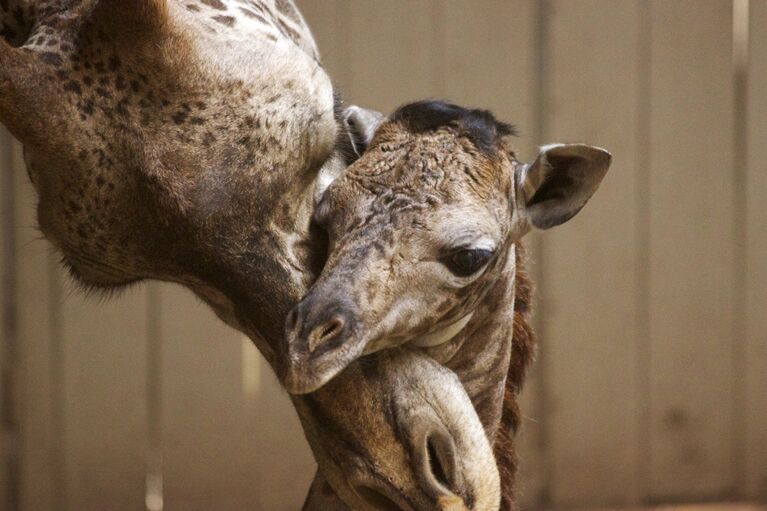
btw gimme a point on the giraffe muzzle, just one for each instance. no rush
(422, 447)
(321, 339)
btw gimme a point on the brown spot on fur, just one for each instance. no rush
(73, 86)
(51, 58)
(114, 63)
(250, 14)
(215, 4)
(180, 116)
(295, 36)
(225, 20)
(288, 10)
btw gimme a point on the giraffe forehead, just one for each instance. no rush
(429, 170)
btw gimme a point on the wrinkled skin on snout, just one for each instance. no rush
(419, 229)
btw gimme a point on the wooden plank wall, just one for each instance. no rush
(755, 273)
(9, 428)
(690, 452)
(653, 362)
(590, 286)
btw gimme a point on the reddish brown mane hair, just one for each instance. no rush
(522, 353)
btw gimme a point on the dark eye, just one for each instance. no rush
(468, 261)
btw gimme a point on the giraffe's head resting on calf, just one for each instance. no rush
(420, 227)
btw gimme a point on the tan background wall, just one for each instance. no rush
(651, 384)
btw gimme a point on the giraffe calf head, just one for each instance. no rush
(419, 229)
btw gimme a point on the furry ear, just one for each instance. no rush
(552, 189)
(359, 128)
(361, 125)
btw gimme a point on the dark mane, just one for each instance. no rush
(480, 126)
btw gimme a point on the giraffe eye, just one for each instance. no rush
(467, 261)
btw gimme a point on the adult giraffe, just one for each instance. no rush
(181, 140)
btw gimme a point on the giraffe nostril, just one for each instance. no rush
(292, 320)
(323, 334)
(436, 464)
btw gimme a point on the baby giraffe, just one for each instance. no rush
(420, 230)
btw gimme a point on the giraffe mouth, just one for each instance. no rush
(303, 373)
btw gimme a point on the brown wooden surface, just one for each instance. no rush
(38, 383)
(718, 506)
(589, 286)
(691, 250)
(755, 443)
(104, 437)
(8, 434)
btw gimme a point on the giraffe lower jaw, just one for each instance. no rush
(442, 336)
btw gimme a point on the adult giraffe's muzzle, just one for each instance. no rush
(420, 447)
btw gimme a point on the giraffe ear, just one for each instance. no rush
(552, 189)
(361, 124)
(359, 127)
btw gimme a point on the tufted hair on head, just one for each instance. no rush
(479, 126)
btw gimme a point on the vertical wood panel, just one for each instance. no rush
(327, 21)
(392, 53)
(104, 399)
(40, 369)
(490, 62)
(224, 449)
(692, 256)
(202, 421)
(755, 447)
(281, 459)
(589, 265)
(8, 426)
